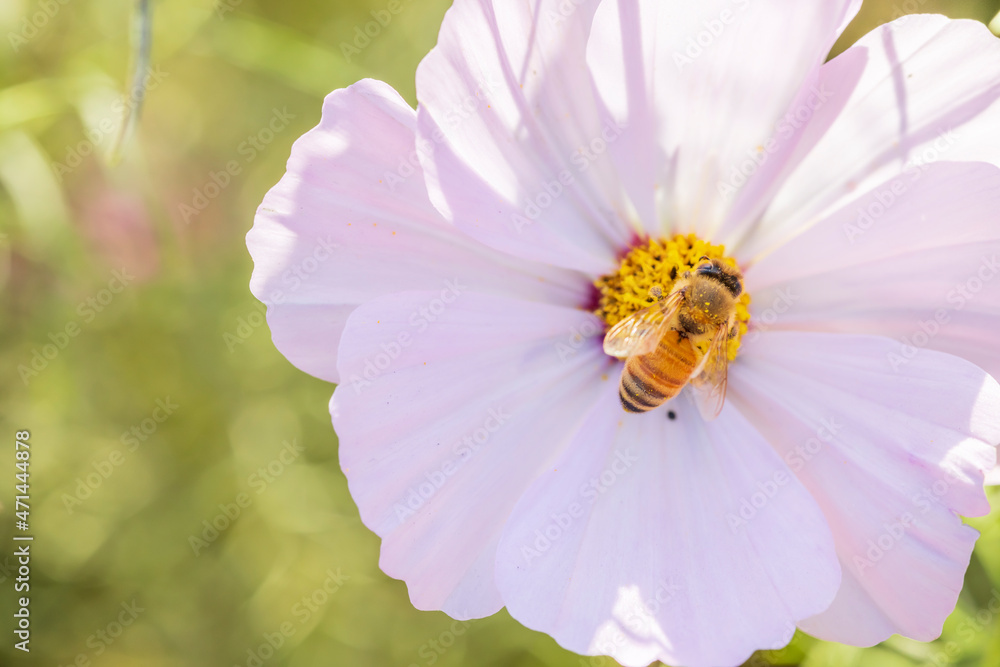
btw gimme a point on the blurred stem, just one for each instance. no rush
(142, 42)
(995, 25)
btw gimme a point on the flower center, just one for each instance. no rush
(649, 273)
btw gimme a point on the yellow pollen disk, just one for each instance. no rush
(660, 264)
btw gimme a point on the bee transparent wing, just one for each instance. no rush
(640, 333)
(711, 382)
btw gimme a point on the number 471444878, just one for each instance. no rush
(22, 456)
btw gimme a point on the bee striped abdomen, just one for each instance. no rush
(650, 380)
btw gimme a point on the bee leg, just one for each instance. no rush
(688, 325)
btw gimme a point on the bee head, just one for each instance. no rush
(730, 276)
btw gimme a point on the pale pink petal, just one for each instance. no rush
(916, 259)
(993, 476)
(350, 220)
(444, 422)
(684, 541)
(893, 457)
(929, 91)
(701, 87)
(512, 136)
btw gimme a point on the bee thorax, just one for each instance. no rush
(711, 300)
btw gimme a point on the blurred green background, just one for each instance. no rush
(165, 407)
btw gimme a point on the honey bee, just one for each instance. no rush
(662, 344)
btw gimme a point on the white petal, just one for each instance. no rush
(351, 220)
(912, 92)
(446, 413)
(892, 458)
(700, 88)
(916, 259)
(675, 540)
(993, 476)
(512, 136)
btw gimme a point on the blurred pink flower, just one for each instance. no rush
(120, 230)
(438, 264)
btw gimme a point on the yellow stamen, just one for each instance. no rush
(652, 269)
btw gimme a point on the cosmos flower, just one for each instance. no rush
(455, 270)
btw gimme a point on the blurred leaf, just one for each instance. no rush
(35, 100)
(268, 48)
(38, 198)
